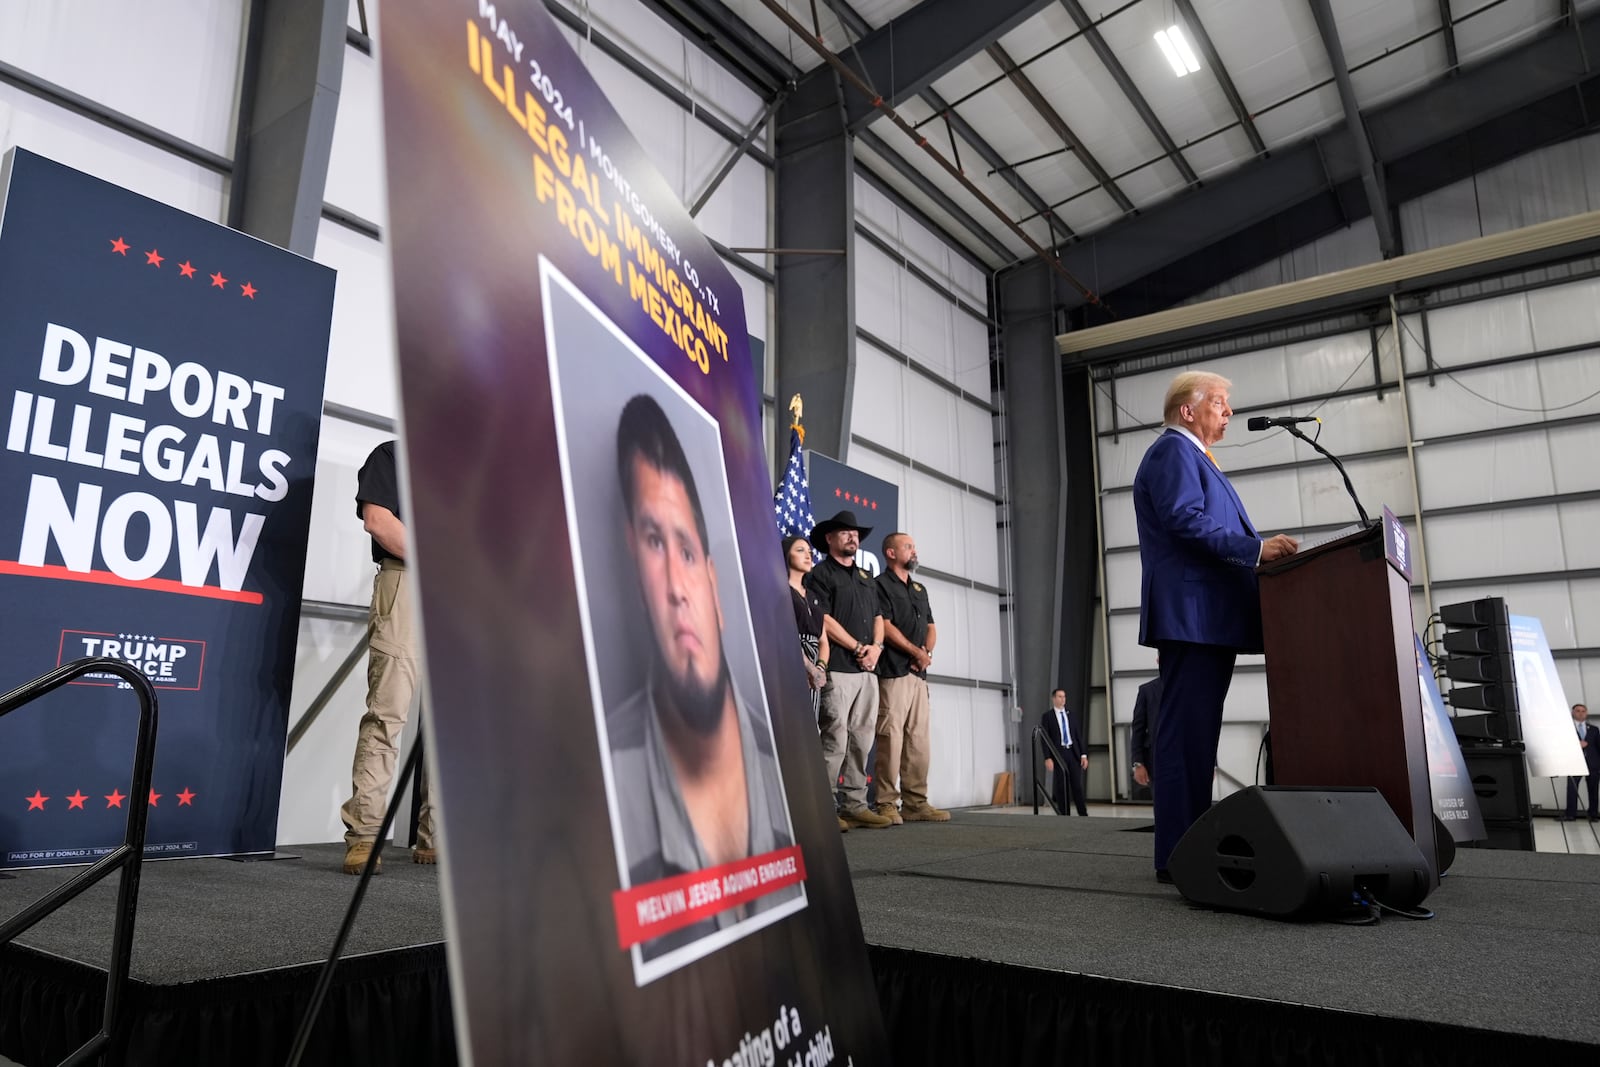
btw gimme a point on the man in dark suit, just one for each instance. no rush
(1589, 738)
(1065, 730)
(1146, 717)
(1199, 606)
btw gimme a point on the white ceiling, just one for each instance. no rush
(1270, 49)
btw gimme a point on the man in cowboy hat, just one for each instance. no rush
(849, 713)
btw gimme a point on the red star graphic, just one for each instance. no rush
(218, 281)
(838, 492)
(248, 290)
(36, 802)
(154, 796)
(874, 505)
(119, 246)
(154, 258)
(186, 269)
(116, 798)
(76, 800)
(185, 797)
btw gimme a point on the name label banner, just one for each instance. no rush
(161, 388)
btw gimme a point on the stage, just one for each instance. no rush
(994, 938)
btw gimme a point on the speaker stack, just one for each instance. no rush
(1299, 853)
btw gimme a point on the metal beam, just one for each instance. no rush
(1113, 65)
(1191, 19)
(1447, 25)
(288, 99)
(924, 185)
(1506, 105)
(855, 24)
(1058, 125)
(727, 39)
(909, 53)
(1371, 180)
(814, 207)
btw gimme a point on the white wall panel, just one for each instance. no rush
(86, 145)
(1580, 534)
(361, 366)
(931, 510)
(1552, 602)
(1582, 618)
(927, 322)
(931, 426)
(174, 66)
(1273, 498)
(877, 408)
(971, 340)
(980, 540)
(1482, 469)
(1121, 526)
(1483, 329)
(1127, 654)
(1487, 544)
(968, 737)
(878, 282)
(1469, 400)
(1122, 583)
(984, 637)
(1120, 456)
(1565, 315)
(1325, 501)
(974, 445)
(356, 179)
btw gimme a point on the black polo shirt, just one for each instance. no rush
(378, 483)
(846, 593)
(906, 605)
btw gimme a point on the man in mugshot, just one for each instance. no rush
(695, 772)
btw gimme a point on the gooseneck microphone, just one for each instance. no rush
(1263, 422)
(1287, 422)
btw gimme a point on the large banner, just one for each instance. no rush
(1552, 743)
(161, 379)
(1455, 803)
(642, 864)
(836, 487)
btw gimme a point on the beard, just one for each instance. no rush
(911, 564)
(699, 706)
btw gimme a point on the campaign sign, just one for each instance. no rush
(1455, 802)
(836, 487)
(1552, 744)
(641, 859)
(161, 385)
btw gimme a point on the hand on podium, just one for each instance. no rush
(1277, 547)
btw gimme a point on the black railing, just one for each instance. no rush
(1052, 751)
(126, 857)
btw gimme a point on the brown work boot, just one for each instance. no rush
(844, 827)
(890, 812)
(925, 813)
(868, 819)
(355, 857)
(424, 855)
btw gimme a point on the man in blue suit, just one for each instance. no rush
(1589, 740)
(1198, 605)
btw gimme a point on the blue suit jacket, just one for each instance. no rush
(1198, 550)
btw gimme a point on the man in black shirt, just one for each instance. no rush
(910, 634)
(855, 631)
(391, 670)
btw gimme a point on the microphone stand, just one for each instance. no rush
(1365, 521)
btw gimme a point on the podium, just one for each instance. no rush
(1345, 706)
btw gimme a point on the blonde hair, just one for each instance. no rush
(1190, 387)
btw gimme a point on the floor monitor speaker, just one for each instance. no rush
(1299, 853)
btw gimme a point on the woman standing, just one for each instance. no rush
(808, 616)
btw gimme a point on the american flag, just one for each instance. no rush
(791, 503)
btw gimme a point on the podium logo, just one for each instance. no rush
(169, 662)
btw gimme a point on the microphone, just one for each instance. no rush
(1263, 422)
(1287, 422)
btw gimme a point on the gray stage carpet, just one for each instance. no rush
(1512, 946)
(208, 918)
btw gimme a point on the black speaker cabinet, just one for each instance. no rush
(1299, 853)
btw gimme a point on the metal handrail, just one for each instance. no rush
(128, 856)
(1052, 751)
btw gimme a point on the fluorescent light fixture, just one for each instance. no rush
(1176, 48)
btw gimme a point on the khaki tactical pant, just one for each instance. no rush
(849, 709)
(903, 753)
(391, 684)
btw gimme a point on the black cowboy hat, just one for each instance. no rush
(844, 520)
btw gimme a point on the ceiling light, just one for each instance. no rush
(1176, 48)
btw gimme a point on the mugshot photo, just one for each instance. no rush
(691, 771)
